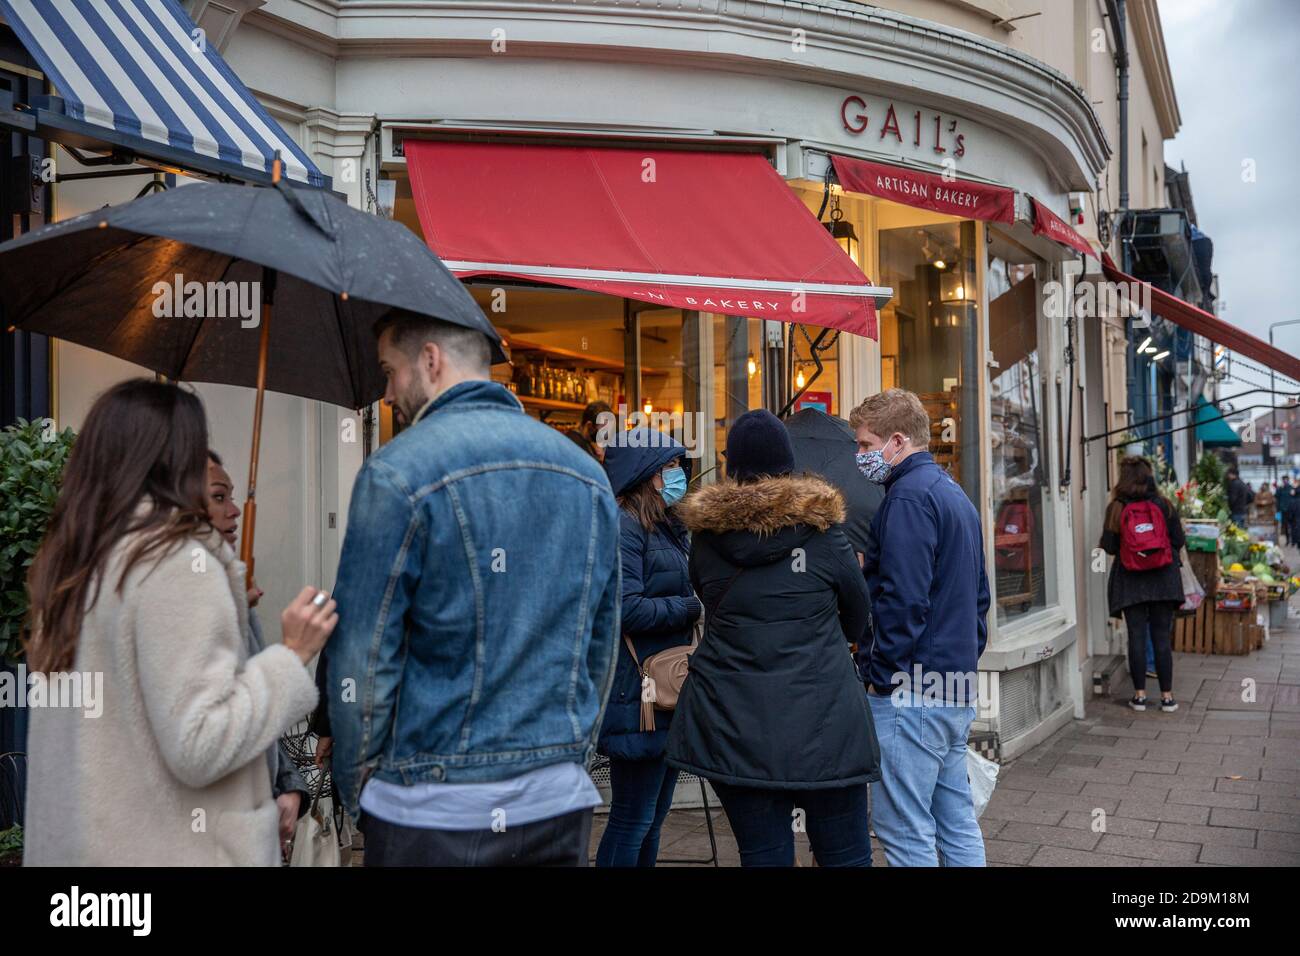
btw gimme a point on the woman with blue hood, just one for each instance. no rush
(646, 473)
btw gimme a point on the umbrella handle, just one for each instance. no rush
(250, 503)
(246, 542)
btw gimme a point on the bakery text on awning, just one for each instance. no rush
(136, 78)
(1049, 224)
(1215, 329)
(913, 187)
(706, 231)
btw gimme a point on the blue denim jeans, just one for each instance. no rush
(641, 792)
(763, 823)
(922, 803)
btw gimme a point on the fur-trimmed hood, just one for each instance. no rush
(763, 507)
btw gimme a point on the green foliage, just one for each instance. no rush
(32, 456)
(11, 841)
(1210, 471)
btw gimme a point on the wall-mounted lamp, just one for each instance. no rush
(752, 366)
(843, 232)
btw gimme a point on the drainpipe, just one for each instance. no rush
(1115, 12)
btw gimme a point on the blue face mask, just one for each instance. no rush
(674, 486)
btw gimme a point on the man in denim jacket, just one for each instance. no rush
(478, 595)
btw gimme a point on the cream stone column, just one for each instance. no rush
(343, 146)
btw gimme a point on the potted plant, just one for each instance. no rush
(32, 456)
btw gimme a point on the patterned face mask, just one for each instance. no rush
(873, 466)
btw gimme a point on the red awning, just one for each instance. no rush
(714, 232)
(1211, 326)
(911, 187)
(1049, 224)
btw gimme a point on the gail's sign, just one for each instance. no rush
(888, 123)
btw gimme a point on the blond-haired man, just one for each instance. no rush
(930, 598)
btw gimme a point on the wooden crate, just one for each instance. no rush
(1205, 565)
(1194, 634)
(1236, 634)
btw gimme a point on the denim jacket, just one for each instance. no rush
(478, 600)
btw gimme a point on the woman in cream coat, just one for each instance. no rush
(171, 766)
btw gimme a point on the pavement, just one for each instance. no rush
(1215, 784)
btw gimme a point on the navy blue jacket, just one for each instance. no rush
(925, 571)
(659, 609)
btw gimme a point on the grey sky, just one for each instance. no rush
(1236, 70)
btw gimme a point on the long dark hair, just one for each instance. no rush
(143, 442)
(1137, 480)
(646, 504)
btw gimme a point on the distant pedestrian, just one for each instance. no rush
(1142, 531)
(659, 612)
(1239, 498)
(772, 713)
(587, 435)
(1286, 506)
(930, 602)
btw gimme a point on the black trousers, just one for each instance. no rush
(1154, 619)
(559, 841)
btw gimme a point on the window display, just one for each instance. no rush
(1020, 466)
(928, 341)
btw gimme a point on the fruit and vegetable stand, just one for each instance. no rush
(1246, 580)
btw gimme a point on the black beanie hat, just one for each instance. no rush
(757, 445)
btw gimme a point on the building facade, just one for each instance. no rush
(983, 96)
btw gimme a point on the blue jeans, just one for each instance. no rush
(641, 793)
(763, 823)
(922, 803)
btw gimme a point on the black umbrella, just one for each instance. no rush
(263, 287)
(826, 446)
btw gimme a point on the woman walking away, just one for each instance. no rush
(135, 591)
(1143, 533)
(773, 712)
(659, 612)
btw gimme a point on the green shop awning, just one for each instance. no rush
(1211, 430)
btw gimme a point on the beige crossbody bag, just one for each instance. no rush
(663, 674)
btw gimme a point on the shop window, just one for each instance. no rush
(928, 336)
(1022, 500)
(737, 379)
(808, 346)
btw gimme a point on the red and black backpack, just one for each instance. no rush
(1144, 537)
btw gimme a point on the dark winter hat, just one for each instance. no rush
(758, 445)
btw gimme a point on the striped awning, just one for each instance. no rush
(141, 74)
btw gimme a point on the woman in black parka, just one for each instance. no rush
(1146, 600)
(773, 713)
(659, 611)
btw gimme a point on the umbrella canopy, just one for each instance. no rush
(826, 446)
(172, 282)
